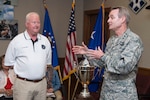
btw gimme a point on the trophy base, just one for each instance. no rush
(82, 96)
(85, 94)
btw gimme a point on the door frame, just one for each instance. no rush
(90, 17)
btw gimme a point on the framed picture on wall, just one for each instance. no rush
(9, 2)
(137, 5)
(6, 12)
(8, 29)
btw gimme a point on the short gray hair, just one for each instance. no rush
(29, 14)
(123, 11)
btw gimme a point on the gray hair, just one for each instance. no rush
(123, 12)
(29, 15)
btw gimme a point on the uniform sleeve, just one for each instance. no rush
(123, 62)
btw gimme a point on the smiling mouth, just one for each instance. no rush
(109, 24)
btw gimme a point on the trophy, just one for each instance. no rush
(85, 73)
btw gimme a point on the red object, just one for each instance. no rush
(8, 85)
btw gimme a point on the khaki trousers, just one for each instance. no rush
(26, 90)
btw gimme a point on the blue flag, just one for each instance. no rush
(48, 32)
(97, 40)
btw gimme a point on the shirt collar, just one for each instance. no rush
(28, 37)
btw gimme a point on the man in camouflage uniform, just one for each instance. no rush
(122, 53)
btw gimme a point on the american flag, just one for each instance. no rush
(70, 57)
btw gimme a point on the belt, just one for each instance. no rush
(25, 79)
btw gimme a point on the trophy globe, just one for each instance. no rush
(85, 73)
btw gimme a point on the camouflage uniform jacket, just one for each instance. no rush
(120, 60)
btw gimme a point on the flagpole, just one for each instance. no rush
(70, 56)
(103, 1)
(70, 75)
(69, 87)
(44, 3)
(59, 72)
(103, 24)
(75, 89)
(95, 41)
(74, 1)
(46, 30)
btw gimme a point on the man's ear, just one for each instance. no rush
(123, 18)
